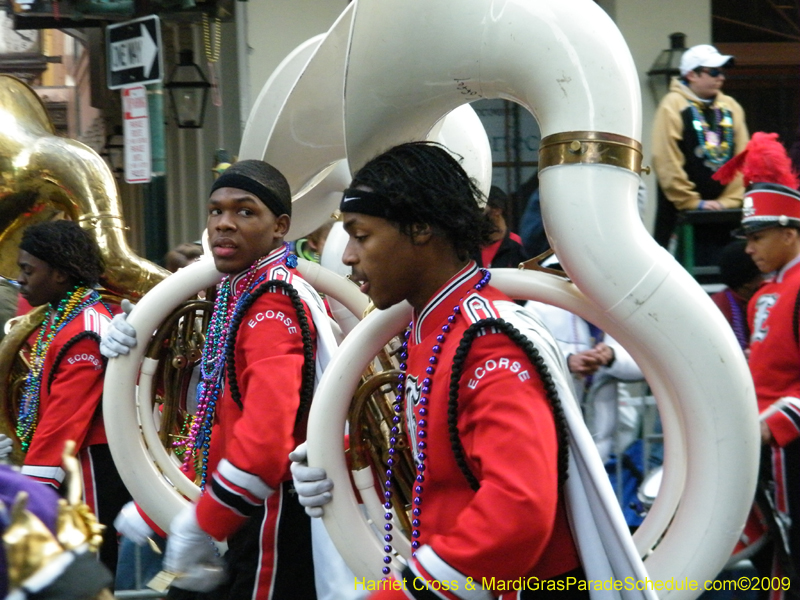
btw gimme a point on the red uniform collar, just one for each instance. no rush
(242, 280)
(440, 306)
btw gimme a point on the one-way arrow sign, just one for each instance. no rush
(133, 52)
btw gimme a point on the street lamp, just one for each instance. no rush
(188, 92)
(666, 66)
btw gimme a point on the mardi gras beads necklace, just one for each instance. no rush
(717, 142)
(68, 308)
(212, 364)
(422, 432)
(737, 317)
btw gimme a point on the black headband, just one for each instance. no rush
(367, 203)
(248, 184)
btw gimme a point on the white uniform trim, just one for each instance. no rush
(252, 483)
(54, 473)
(439, 569)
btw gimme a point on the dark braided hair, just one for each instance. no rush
(66, 348)
(425, 184)
(65, 246)
(536, 359)
(307, 387)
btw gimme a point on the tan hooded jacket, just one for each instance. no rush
(669, 159)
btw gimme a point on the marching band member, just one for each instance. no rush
(488, 496)
(771, 224)
(59, 265)
(268, 340)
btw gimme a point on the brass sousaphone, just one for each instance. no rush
(44, 176)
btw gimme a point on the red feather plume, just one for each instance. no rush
(764, 160)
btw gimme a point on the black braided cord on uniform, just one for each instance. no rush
(307, 388)
(65, 348)
(536, 359)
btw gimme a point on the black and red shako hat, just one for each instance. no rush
(769, 205)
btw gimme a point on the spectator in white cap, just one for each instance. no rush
(697, 129)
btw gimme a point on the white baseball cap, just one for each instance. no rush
(703, 55)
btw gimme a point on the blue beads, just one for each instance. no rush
(415, 522)
(387, 559)
(415, 533)
(387, 527)
(387, 538)
(414, 545)
(387, 549)
(386, 570)
(387, 516)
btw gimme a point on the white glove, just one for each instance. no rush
(192, 555)
(129, 522)
(6, 446)
(120, 337)
(312, 483)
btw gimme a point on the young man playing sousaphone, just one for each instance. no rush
(268, 339)
(60, 265)
(489, 443)
(771, 224)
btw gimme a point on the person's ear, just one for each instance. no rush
(282, 224)
(791, 235)
(420, 233)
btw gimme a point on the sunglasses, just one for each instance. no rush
(712, 72)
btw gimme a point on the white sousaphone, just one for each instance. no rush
(152, 473)
(568, 64)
